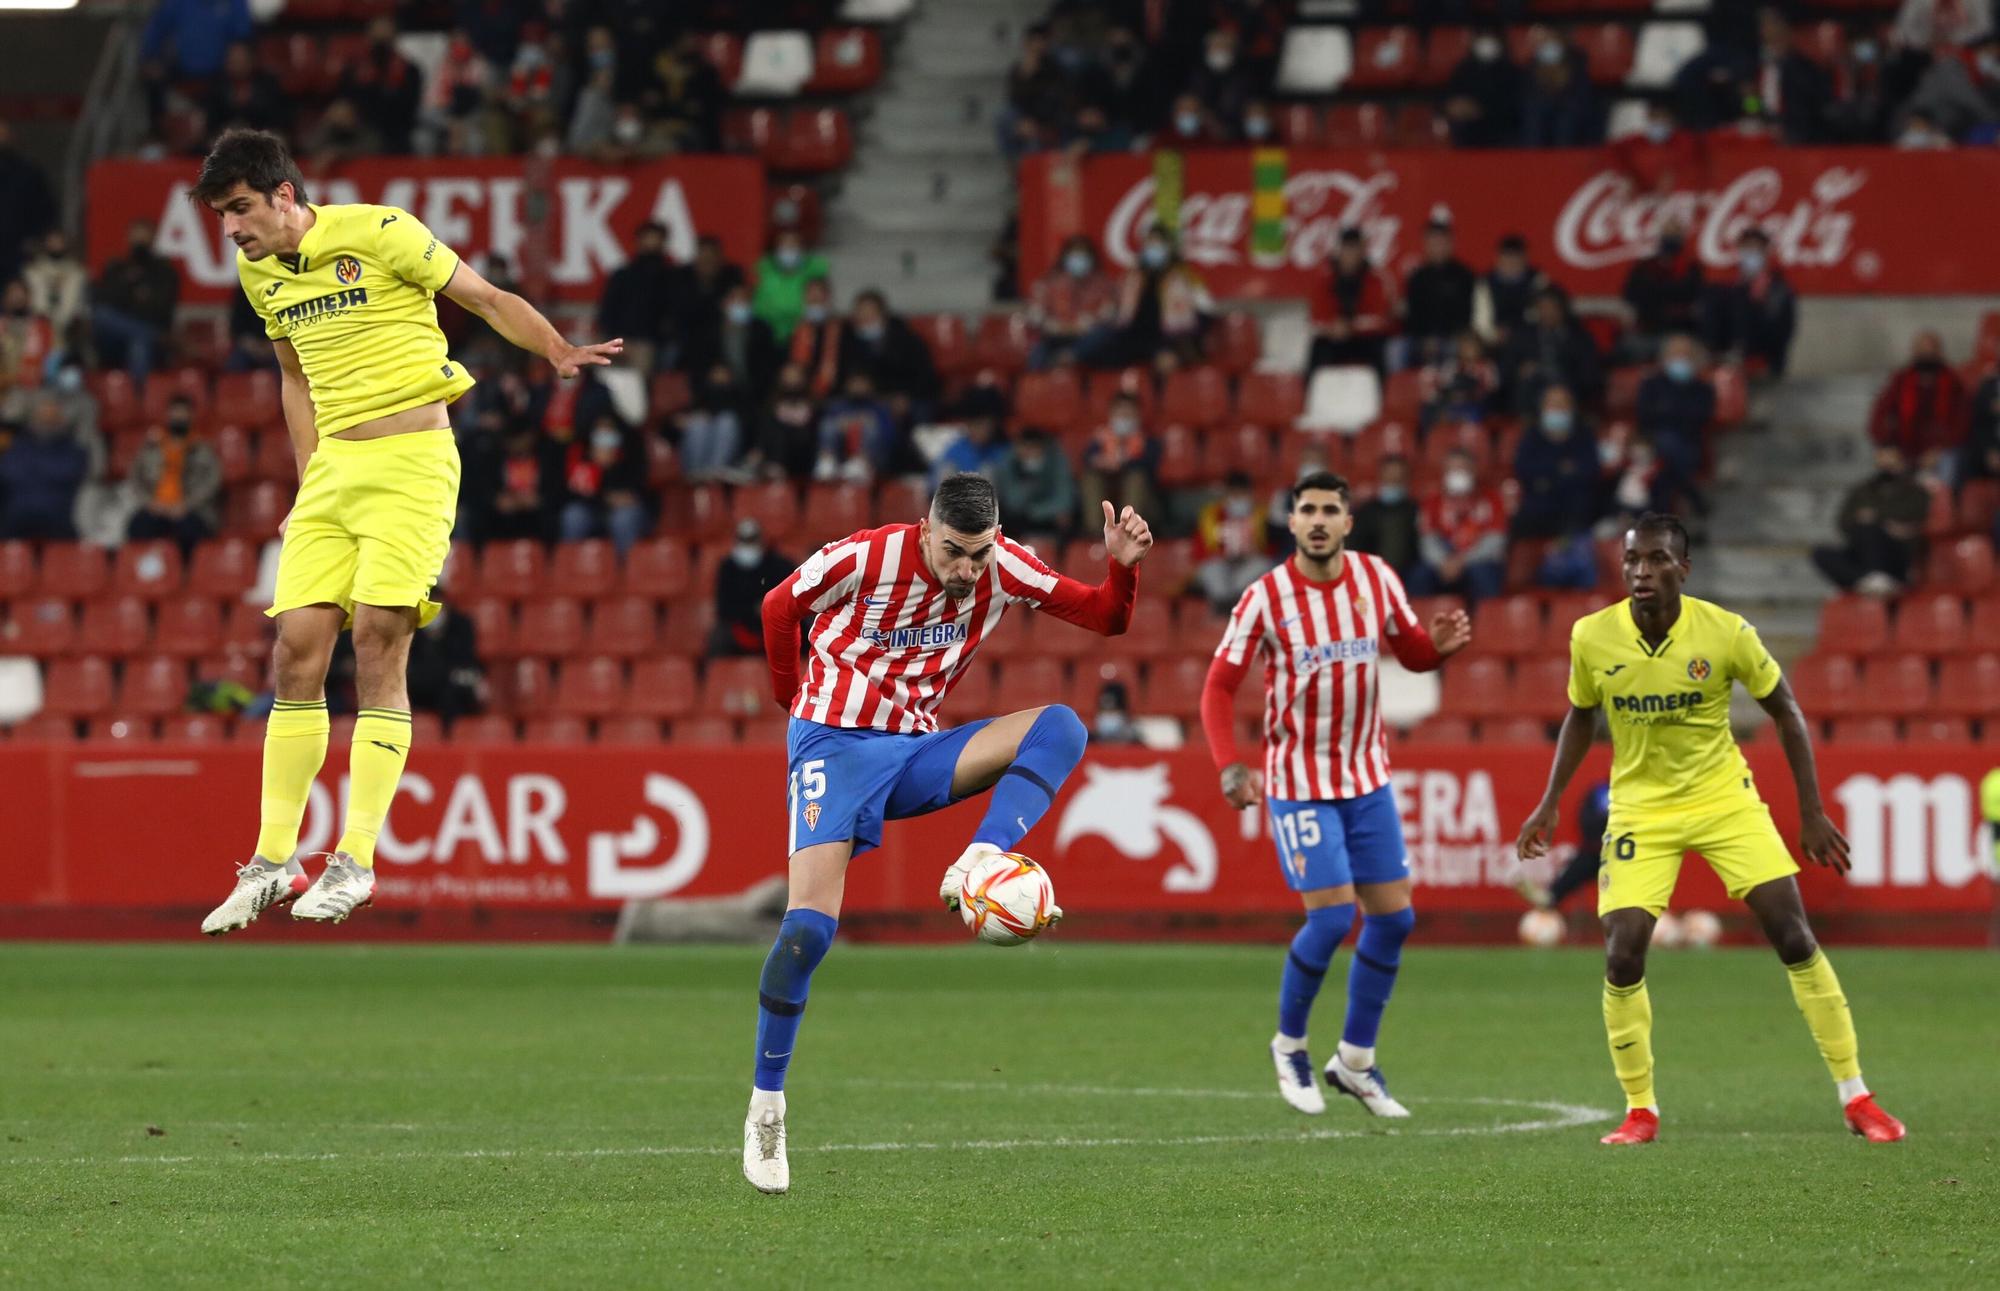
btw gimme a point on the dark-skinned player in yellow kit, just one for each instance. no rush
(1661, 666)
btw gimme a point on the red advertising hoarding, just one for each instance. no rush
(474, 205)
(1842, 221)
(1137, 840)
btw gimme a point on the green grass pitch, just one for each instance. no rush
(1066, 1115)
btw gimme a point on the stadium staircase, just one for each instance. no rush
(929, 191)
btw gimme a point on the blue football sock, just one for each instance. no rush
(803, 940)
(1378, 951)
(1305, 967)
(1048, 753)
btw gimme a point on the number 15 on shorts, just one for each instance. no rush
(1297, 831)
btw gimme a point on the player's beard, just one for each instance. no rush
(1331, 554)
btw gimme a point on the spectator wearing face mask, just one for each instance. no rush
(1191, 125)
(1356, 312)
(857, 433)
(1074, 309)
(637, 299)
(815, 344)
(895, 359)
(711, 278)
(1162, 305)
(1921, 133)
(741, 581)
(1501, 299)
(523, 487)
(1257, 127)
(604, 482)
(132, 304)
(1958, 95)
(1385, 522)
(1462, 536)
(1120, 464)
(1922, 411)
(787, 437)
(58, 288)
(1676, 406)
(1881, 529)
(1664, 292)
(981, 442)
(1113, 723)
(1437, 297)
(741, 341)
(1641, 481)
(41, 472)
(1231, 550)
(781, 281)
(176, 482)
(1482, 100)
(1553, 348)
(1556, 466)
(712, 430)
(1789, 90)
(1036, 489)
(1752, 317)
(1221, 82)
(1662, 157)
(1559, 109)
(384, 87)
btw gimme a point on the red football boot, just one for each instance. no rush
(1871, 1122)
(1641, 1126)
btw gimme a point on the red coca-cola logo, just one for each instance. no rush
(1215, 226)
(1606, 223)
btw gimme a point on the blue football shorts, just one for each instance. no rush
(1330, 843)
(842, 784)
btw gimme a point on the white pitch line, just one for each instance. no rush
(1564, 1116)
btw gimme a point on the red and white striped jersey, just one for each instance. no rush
(1321, 642)
(889, 643)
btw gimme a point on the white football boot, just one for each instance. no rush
(343, 888)
(1295, 1075)
(954, 878)
(1364, 1087)
(764, 1163)
(259, 886)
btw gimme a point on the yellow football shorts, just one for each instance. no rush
(372, 524)
(1642, 853)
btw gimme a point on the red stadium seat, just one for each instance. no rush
(1385, 58)
(119, 626)
(701, 732)
(1937, 730)
(1196, 397)
(493, 627)
(248, 400)
(1894, 685)
(118, 405)
(662, 688)
(1447, 47)
(1854, 625)
(17, 569)
(585, 570)
(834, 511)
(735, 687)
(1825, 684)
(1244, 448)
(77, 688)
(246, 629)
(194, 728)
(766, 731)
(1969, 686)
(1978, 506)
(773, 505)
(668, 395)
(253, 512)
(154, 687)
(1930, 623)
(1963, 566)
(1540, 688)
(1985, 625)
(1824, 42)
(1862, 730)
(1508, 625)
(657, 568)
(1477, 688)
(523, 687)
(460, 576)
(1607, 48)
(150, 570)
(1173, 687)
(1089, 677)
(1039, 680)
(1003, 343)
(630, 728)
(1050, 400)
(162, 388)
(1564, 609)
(223, 568)
(1152, 632)
(590, 688)
(974, 694)
(1442, 729)
(491, 728)
(724, 51)
(846, 60)
(688, 628)
(121, 728)
(558, 729)
(1236, 343)
(1169, 566)
(1359, 125)
(189, 628)
(74, 571)
(813, 141)
(1418, 125)
(944, 335)
(512, 568)
(44, 728)
(1514, 730)
(625, 626)
(1302, 125)
(551, 627)
(1272, 400)
(901, 502)
(1180, 464)
(42, 627)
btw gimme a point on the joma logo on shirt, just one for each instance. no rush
(1311, 658)
(318, 306)
(1655, 703)
(924, 638)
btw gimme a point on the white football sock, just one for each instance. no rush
(1355, 1058)
(762, 1100)
(1288, 1044)
(1852, 1089)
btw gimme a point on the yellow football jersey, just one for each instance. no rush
(1668, 706)
(356, 302)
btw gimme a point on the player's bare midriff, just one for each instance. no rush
(429, 416)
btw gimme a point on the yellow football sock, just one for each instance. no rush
(294, 747)
(1819, 996)
(1628, 1021)
(381, 746)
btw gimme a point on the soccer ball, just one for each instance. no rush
(1700, 929)
(1007, 900)
(1542, 928)
(1668, 933)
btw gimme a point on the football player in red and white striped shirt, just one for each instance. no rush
(901, 610)
(1319, 621)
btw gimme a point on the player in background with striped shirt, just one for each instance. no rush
(901, 610)
(1319, 620)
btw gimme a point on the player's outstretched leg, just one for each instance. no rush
(1371, 978)
(818, 877)
(294, 747)
(1816, 989)
(1312, 951)
(1628, 1023)
(1024, 757)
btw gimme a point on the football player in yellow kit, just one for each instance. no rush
(347, 297)
(1661, 666)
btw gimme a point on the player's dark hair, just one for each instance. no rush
(1664, 523)
(254, 157)
(965, 501)
(1326, 480)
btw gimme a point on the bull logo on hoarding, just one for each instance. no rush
(1128, 807)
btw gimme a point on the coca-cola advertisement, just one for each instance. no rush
(574, 218)
(551, 841)
(1841, 221)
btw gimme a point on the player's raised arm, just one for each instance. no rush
(1415, 647)
(523, 324)
(1106, 608)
